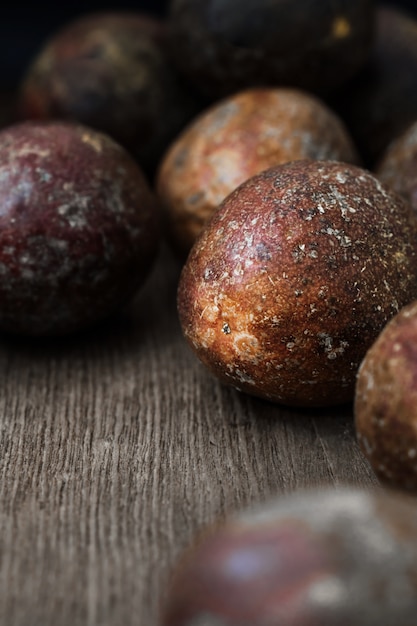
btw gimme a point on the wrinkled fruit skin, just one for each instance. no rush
(398, 167)
(226, 46)
(382, 102)
(78, 228)
(236, 139)
(293, 279)
(110, 72)
(386, 402)
(319, 558)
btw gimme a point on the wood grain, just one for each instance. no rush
(116, 447)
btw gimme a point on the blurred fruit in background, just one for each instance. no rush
(110, 71)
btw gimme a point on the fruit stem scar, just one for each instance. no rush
(226, 329)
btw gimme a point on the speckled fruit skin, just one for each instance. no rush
(386, 402)
(398, 167)
(382, 102)
(110, 71)
(236, 139)
(78, 228)
(318, 558)
(226, 46)
(294, 277)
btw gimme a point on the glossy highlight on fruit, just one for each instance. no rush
(293, 279)
(78, 228)
(315, 558)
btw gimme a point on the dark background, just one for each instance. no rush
(23, 29)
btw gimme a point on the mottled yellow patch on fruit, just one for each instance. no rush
(341, 28)
(92, 141)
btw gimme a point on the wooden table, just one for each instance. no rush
(117, 447)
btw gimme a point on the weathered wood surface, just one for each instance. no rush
(117, 447)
